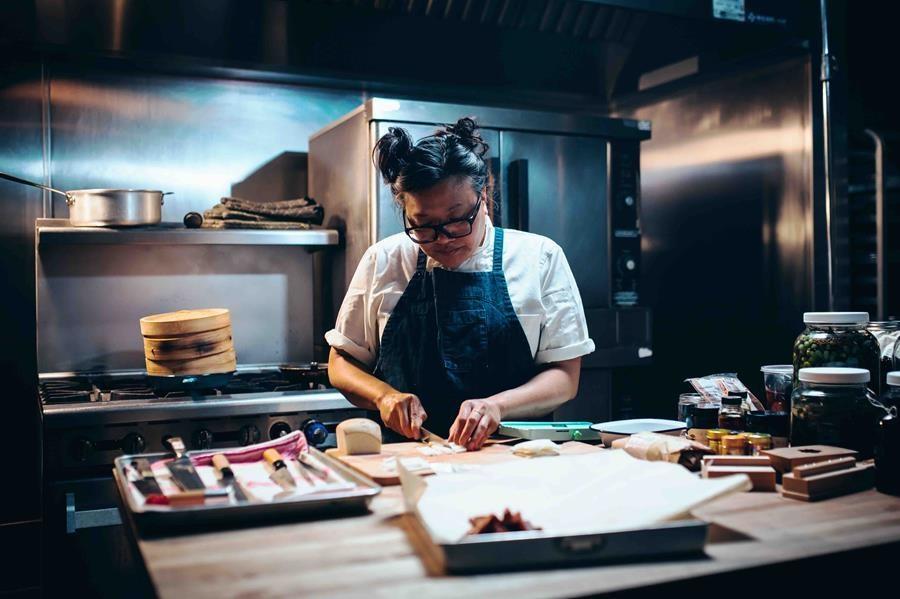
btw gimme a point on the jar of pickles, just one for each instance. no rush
(837, 339)
(833, 406)
(890, 396)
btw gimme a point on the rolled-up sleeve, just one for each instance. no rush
(564, 332)
(356, 330)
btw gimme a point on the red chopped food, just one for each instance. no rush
(510, 522)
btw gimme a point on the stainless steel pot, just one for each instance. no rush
(107, 207)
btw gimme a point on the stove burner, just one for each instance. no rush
(107, 387)
(67, 391)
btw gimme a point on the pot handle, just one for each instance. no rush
(162, 197)
(33, 184)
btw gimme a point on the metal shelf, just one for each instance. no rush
(59, 232)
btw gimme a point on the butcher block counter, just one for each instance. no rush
(755, 539)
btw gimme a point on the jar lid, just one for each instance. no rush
(716, 433)
(893, 378)
(734, 441)
(777, 369)
(835, 376)
(732, 400)
(884, 325)
(836, 317)
(756, 438)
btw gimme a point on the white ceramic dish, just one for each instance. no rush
(610, 431)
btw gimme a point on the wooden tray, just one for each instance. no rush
(371, 465)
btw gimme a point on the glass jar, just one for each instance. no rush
(890, 396)
(731, 414)
(887, 333)
(838, 339)
(685, 401)
(714, 439)
(734, 445)
(700, 419)
(832, 406)
(758, 442)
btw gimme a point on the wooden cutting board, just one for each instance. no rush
(372, 465)
(183, 322)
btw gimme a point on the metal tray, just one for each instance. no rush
(535, 550)
(205, 517)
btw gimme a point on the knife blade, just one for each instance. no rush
(429, 437)
(280, 475)
(229, 480)
(181, 468)
(145, 482)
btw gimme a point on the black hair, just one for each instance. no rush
(456, 151)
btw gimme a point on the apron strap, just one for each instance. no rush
(498, 249)
(420, 261)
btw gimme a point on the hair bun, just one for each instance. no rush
(393, 150)
(466, 130)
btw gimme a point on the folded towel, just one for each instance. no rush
(302, 209)
(210, 223)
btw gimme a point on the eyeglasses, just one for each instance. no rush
(454, 228)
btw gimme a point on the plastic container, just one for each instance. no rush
(778, 380)
(833, 406)
(837, 339)
(887, 333)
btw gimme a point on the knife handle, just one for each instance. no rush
(222, 465)
(274, 458)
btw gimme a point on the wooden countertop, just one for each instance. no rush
(373, 555)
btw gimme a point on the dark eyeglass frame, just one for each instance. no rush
(439, 228)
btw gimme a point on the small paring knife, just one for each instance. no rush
(229, 480)
(429, 438)
(281, 475)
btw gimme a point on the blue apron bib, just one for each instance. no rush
(454, 336)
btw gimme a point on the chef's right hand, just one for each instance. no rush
(403, 413)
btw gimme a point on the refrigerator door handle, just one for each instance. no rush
(518, 195)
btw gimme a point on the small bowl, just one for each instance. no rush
(617, 429)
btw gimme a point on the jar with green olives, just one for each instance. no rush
(838, 339)
(833, 406)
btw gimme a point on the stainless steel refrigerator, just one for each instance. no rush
(572, 178)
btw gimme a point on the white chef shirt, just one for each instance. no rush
(540, 282)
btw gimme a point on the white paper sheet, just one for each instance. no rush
(579, 494)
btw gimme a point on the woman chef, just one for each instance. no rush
(455, 322)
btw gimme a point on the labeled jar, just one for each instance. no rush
(731, 414)
(734, 445)
(775, 424)
(714, 439)
(758, 442)
(833, 406)
(700, 419)
(886, 332)
(837, 339)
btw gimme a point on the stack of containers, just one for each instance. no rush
(189, 342)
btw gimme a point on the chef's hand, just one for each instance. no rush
(402, 412)
(477, 419)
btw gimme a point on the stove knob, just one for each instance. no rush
(81, 449)
(315, 432)
(133, 443)
(248, 435)
(203, 439)
(279, 429)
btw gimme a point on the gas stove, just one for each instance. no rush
(90, 419)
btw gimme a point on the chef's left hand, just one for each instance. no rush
(477, 419)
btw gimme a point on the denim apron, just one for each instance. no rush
(454, 336)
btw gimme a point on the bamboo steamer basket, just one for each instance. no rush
(223, 362)
(189, 342)
(183, 322)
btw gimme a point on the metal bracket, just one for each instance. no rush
(76, 520)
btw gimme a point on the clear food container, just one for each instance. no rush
(890, 396)
(837, 339)
(833, 406)
(887, 333)
(778, 380)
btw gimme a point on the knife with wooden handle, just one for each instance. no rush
(229, 480)
(281, 475)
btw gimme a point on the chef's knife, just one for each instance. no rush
(229, 480)
(145, 483)
(181, 468)
(281, 474)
